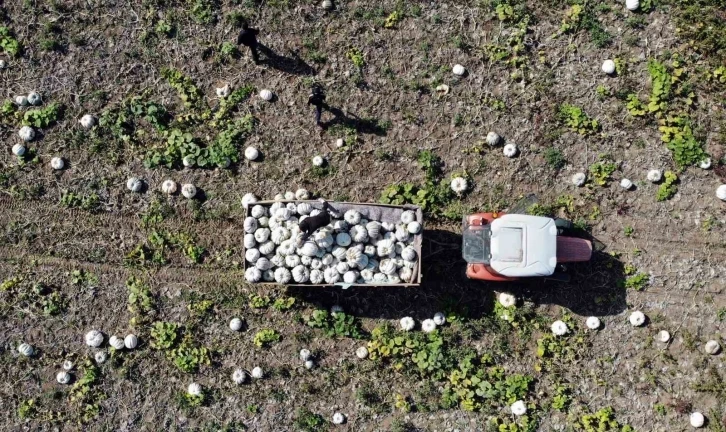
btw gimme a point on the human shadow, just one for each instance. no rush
(292, 65)
(361, 125)
(594, 288)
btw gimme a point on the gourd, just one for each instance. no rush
(407, 323)
(304, 208)
(632, 5)
(408, 254)
(721, 192)
(342, 267)
(131, 341)
(626, 184)
(282, 275)
(352, 217)
(559, 328)
(458, 70)
(402, 234)
(343, 239)
(19, 149)
(94, 338)
(654, 175)
(286, 248)
(292, 261)
(374, 229)
(189, 190)
(608, 66)
(134, 184)
(248, 199)
(194, 389)
(222, 92)
(318, 161)
(518, 408)
(578, 179)
(428, 325)
(253, 274)
(340, 225)
(268, 275)
(34, 98)
(405, 274)
(249, 241)
(510, 150)
(385, 248)
(664, 336)
(239, 376)
(316, 277)
(266, 95)
(387, 266)
(406, 217)
(339, 252)
(331, 275)
(63, 377)
(283, 213)
(168, 187)
(263, 264)
(257, 373)
(380, 278)
(493, 138)
(302, 194)
(258, 211)
(26, 133)
(696, 419)
(87, 121)
(279, 235)
(252, 255)
(637, 319)
(251, 153)
(366, 274)
(26, 349)
(116, 342)
(262, 234)
(712, 347)
(323, 239)
(359, 234)
(57, 163)
(459, 185)
(309, 249)
(593, 323)
(264, 221)
(300, 274)
(21, 100)
(235, 324)
(350, 276)
(361, 352)
(327, 4)
(369, 250)
(413, 228)
(100, 357)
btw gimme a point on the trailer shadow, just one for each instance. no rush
(595, 288)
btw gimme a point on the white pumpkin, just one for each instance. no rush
(352, 217)
(366, 275)
(385, 248)
(705, 164)
(402, 234)
(510, 150)
(34, 98)
(266, 95)
(408, 254)
(359, 234)
(304, 209)
(380, 278)
(235, 324)
(248, 199)
(387, 266)
(300, 274)
(282, 275)
(168, 187)
(262, 234)
(316, 277)
(19, 149)
(342, 267)
(134, 184)
(405, 274)
(632, 5)
(664, 336)
(721, 192)
(264, 221)
(578, 179)
(459, 185)
(323, 239)
(414, 227)
(655, 175)
(68, 365)
(559, 328)
(361, 352)
(87, 121)
(253, 274)
(249, 241)
(57, 163)
(712, 347)
(343, 239)
(458, 70)
(21, 100)
(94, 338)
(518, 408)
(388, 226)
(26, 349)
(26, 133)
(257, 373)
(302, 194)
(428, 325)
(626, 184)
(239, 376)
(292, 261)
(608, 66)
(309, 249)
(637, 319)
(374, 229)
(696, 419)
(439, 318)
(100, 357)
(258, 211)
(286, 248)
(279, 235)
(283, 213)
(339, 252)
(407, 323)
(328, 259)
(268, 275)
(194, 389)
(263, 264)
(327, 4)
(407, 217)
(251, 153)
(116, 342)
(250, 225)
(131, 341)
(189, 190)
(493, 138)
(318, 161)
(222, 92)
(331, 275)
(369, 250)
(63, 377)
(593, 323)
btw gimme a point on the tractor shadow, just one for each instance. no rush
(595, 288)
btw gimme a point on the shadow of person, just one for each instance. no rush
(594, 288)
(292, 65)
(365, 126)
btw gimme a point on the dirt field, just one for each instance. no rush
(79, 251)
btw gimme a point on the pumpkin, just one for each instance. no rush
(257, 373)
(263, 264)
(26, 133)
(458, 70)
(134, 184)
(593, 323)
(459, 185)
(407, 323)
(19, 149)
(559, 328)
(262, 234)
(352, 217)
(292, 261)
(189, 190)
(302, 194)
(510, 150)
(249, 241)
(339, 418)
(251, 153)
(637, 318)
(282, 275)
(578, 179)
(250, 225)
(94, 338)
(343, 239)
(100, 357)
(493, 138)
(34, 98)
(63, 377)
(168, 187)
(331, 275)
(87, 121)
(608, 66)
(266, 95)
(26, 349)
(239, 376)
(194, 389)
(222, 92)
(316, 277)
(626, 184)
(253, 274)
(131, 341)
(235, 324)
(248, 199)
(116, 342)
(359, 234)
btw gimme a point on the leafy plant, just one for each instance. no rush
(338, 325)
(356, 56)
(8, 43)
(164, 335)
(308, 421)
(42, 117)
(554, 158)
(602, 421)
(577, 120)
(678, 136)
(393, 19)
(562, 398)
(265, 337)
(141, 304)
(258, 301)
(601, 171)
(283, 304)
(668, 188)
(185, 87)
(635, 106)
(89, 202)
(27, 409)
(84, 392)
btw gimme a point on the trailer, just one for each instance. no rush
(389, 216)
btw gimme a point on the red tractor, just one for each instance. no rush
(506, 247)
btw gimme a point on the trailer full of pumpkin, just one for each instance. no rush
(380, 245)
